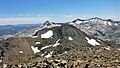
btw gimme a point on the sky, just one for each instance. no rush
(39, 11)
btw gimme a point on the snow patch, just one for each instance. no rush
(91, 20)
(119, 49)
(34, 36)
(89, 27)
(53, 25)
(21, 52)
(36, 30)
(37, 43)
(92, 41)
(46, 47)
(116, 24)
(70, 38)
(107, 48)
(109, 23)
(86, 21)
(56, 43)
(79, 22)
(71, 23)
(49, 55)
(48, 34)
(42, 54)
(35, 49)
(4, 65)
(65, 52)
(105, 22)
(99, 40)
(0, 60)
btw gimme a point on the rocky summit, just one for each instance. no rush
(58, 46)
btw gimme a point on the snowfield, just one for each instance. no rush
(45, 47)
(49, 55)
(78, 22)
(34, 36)
(21, 52)
(56, 43)
(70, 38)
(37, 43)
(53, 25)
(107, 48)
(92, 41)
(0, 60)
(35, 49)
(48, 34)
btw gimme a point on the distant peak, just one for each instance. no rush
(47, 23)
(96, 18)
(77, 20)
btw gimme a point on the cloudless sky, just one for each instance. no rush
(68, 9)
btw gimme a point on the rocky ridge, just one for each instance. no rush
(105, 29)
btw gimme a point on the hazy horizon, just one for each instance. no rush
(39, 11)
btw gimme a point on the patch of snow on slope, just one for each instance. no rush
(65, 52)
(56, 43)
(71, 23)
(89, 27)
(37, 43)
(92, 41)
(79, 22)
(53, 25)
(46, 47)
(43, 54)
(107, 48)
(119, 49)
(70, 38)
(98, 40)
(4, 65)
(34, 36)
(116, 24)
(36, 30)
(48, 34)
(91, 20)
(49, 55)
(0, 60)
(105, 22)
(35, 49)
(109, 23)
(21, 52)
(86, 21)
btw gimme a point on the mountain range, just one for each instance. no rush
(107, 30)
(75, 44)
(7, 31)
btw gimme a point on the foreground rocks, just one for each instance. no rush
(59, 63)
(54, 64)
(77, 58)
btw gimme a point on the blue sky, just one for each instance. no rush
(38, 11)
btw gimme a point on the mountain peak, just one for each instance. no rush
(47, 23)
(96, 18)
